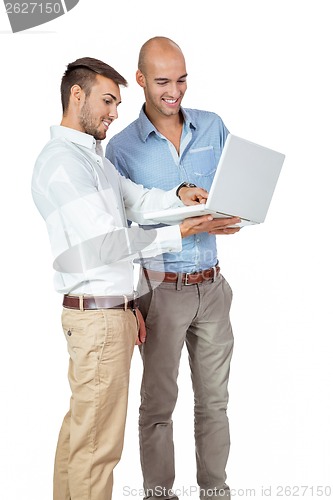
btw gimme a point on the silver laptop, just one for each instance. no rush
(243, 185)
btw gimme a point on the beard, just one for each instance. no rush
(88, 123)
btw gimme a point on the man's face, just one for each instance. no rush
(100, 108)
(164, 83)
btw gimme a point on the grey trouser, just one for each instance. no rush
(198, 315)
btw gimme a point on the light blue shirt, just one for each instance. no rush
(145, 156)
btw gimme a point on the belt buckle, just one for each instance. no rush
(186, 283)
(214, 274)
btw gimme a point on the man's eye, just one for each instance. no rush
(107, 101)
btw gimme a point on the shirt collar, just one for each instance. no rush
(75, 136)
(146, 127)
(189, 118)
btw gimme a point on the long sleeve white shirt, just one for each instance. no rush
(86, 204)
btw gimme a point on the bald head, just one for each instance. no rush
(162, 75)
(157, 48)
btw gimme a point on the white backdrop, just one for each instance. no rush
(265, 67)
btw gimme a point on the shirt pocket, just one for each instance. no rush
(202, 166)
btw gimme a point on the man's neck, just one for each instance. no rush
(169, 126)
(67, 122)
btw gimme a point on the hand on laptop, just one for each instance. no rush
(224, 226)
(192, 195)
(206, 224)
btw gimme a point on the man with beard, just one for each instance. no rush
(85, 203)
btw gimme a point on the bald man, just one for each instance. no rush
(184, 297)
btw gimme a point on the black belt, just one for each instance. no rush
(98, 302)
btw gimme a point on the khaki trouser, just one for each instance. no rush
(100, 345)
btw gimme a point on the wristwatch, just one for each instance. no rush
(185, 184)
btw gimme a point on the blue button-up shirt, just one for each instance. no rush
(144, 155)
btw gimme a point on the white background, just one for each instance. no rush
(265, 68)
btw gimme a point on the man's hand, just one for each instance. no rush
(142, 333)
(207, 224)
(192, 196)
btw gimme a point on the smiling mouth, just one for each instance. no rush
(106, 124)
(171, 101)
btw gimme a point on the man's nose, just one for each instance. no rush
(113, 113)
(174, 90)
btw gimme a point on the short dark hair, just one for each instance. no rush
(83, 72)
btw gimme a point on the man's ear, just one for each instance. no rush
(140, 78)
(77, 94)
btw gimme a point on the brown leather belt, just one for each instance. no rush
(186, 278)
(98, 302)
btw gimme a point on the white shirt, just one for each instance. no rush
(86, 203)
